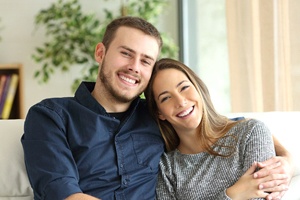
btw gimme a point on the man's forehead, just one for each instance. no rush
(137, 41)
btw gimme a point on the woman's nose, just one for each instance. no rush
(181, 101)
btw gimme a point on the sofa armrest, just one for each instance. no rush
(14, 182)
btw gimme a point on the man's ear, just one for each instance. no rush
(99, 52)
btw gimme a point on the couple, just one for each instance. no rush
(104, 144)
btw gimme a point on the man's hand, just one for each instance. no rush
(279, 172)
(81, 196)
(247, 186)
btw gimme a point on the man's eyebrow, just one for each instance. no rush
(127, 48)
(133, 51)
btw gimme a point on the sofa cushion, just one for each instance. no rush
(14, 184)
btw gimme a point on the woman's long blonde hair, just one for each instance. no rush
(213, 126)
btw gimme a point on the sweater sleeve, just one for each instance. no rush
(256, 144)
(259, 144)
(164, 188)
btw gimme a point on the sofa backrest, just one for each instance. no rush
(14, 184)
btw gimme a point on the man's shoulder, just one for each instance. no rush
(53, 103)
(55, 100)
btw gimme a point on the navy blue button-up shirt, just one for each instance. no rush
(72, 145)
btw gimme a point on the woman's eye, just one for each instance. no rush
(185, 87)
(164, 99)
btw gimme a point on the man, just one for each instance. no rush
(102, 143)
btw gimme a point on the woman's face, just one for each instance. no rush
(177, 100)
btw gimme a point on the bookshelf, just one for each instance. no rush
(17, 110)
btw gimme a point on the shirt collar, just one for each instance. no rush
(83, 96)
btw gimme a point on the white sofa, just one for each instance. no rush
(14, 184)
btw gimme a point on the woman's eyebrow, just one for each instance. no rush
(181, 82)
(165, 92)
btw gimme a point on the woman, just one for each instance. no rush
(208, 155)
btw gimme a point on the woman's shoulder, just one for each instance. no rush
(167, 156)
(251, 127)
(167, 162)
(250, 123)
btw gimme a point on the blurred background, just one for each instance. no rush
(246, 52)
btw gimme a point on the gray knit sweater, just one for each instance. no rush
(204, 176)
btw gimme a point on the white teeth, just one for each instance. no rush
(127, 79)
(186, 112)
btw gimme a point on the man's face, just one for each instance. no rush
(127, 64)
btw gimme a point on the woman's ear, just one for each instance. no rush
(161, 116)
(99, 52)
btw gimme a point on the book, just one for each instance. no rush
(2, 84)
(4, 93)
(13, 85)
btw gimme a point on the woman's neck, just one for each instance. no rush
(190, 142)
(185, 148)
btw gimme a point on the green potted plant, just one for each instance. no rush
(72, 36)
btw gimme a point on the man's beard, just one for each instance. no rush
(110, 90)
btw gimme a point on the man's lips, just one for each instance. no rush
(128, 80)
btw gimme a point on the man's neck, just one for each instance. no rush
(110, 104)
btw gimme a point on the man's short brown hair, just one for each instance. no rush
(132, 22)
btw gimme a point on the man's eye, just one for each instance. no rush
(146, 62)
(125, 53)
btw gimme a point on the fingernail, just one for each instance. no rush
(261, 187)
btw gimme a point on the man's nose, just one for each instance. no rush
(134, 65)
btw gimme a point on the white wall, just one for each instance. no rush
(20, 38)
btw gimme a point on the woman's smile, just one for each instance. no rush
(186, 112)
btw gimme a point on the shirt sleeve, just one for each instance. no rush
(49, 162)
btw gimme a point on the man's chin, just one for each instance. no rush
(126, 98)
